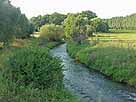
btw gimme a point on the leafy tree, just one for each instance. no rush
(102, 27)
(69, 26)
(79, 26)
(23, 27)
(7, 21)
(12, 22)
(74, 27)
(88, 14)
(90, 30)
(37, 22)
(80, 29)
(128, 22)
(96, 25)
(31, 28)
(44, 20)
(52, 32)
(55, 18)
(93, 25)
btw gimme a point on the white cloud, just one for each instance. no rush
(103, 8)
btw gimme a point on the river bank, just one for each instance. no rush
(114, 62)
(89, 85)
(31, 65)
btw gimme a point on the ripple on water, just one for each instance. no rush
(89, 85)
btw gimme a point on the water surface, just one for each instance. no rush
(91, 86)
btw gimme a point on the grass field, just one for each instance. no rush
(117, 31)
(127, 40)
(113, 54)
(114, 36)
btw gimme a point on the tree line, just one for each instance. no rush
(58, 19)
(76, 26)
(127, 22)
(12, 22)
(55, 18)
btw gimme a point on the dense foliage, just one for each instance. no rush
(128, 22)
(12, 22)
(35, 67)
(79, 26)
(103, 27)
(55, 18)
(40, 65)
(58, 19)
(52, 32)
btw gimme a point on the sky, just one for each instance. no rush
(103, 8)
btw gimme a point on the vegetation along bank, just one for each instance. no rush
(28, 72)
(109, 55)
(110, 51)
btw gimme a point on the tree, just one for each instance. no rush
(23, 27)
(79, 26)
(7, 21)
(69, 26)
(102, 27)
(31, 28)
(75, 28)
(37, 22)
(12, 22)
(55, 18)
(88, 14)
(93, 25)
(127, 22)
(52, 32)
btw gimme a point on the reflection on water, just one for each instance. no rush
(89, 85)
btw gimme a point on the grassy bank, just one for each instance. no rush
(111, 54)
(14, 86)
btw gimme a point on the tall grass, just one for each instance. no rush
(11, 92)
(114, 58)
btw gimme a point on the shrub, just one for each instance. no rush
(52, 32)
(73, 48)
(36, 67)
(83, 56)
(11, 93)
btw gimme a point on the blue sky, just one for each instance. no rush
(103, 8)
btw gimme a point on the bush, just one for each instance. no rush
(36, 67)
(73, 48)
(11, 93)
(52, 32)
(17, 66)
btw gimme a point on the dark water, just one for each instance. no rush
(91, 86)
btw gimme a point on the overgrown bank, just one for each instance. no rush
(115, 62)
(28, 73)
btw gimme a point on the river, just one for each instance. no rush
(91, 86)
